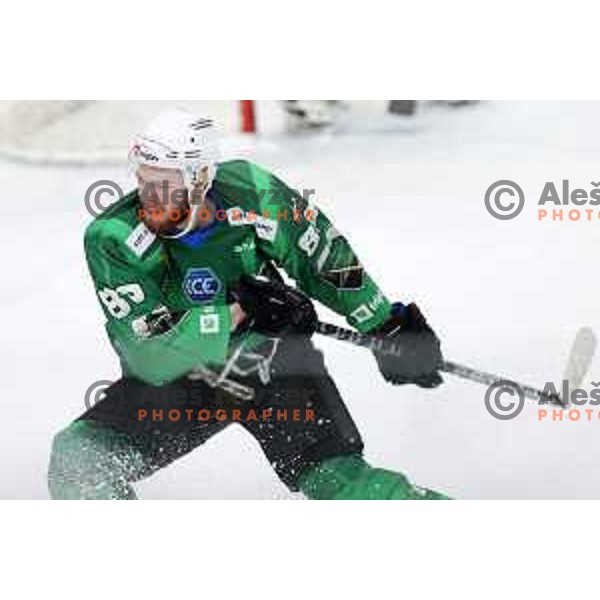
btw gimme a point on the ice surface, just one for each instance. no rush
(504, 296)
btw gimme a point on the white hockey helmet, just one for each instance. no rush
(175, 139)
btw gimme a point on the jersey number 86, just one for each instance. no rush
(117, 301)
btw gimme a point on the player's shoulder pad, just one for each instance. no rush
(248, 185)
(240, 172)
(118, 233)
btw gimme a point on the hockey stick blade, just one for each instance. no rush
(580, 358)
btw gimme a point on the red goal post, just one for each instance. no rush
(248, 116)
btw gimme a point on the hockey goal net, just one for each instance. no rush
(82, 132)
(97, 131)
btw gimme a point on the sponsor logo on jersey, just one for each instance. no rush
(309, 240)
(365, 311)
(246, 246)
(266, 229)
(140, 239)
(209, 323)
(201, 284)
(361, 314)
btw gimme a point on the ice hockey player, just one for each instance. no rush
(186, 270)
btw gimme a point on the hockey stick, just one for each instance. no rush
(579, 360)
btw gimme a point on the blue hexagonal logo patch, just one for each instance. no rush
(201, 285)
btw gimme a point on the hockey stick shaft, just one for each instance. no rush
(387, 346)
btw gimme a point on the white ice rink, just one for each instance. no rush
(503, 296)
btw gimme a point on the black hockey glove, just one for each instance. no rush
(421, 356)
(274, 308)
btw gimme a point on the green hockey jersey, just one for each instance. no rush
(165, 300)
